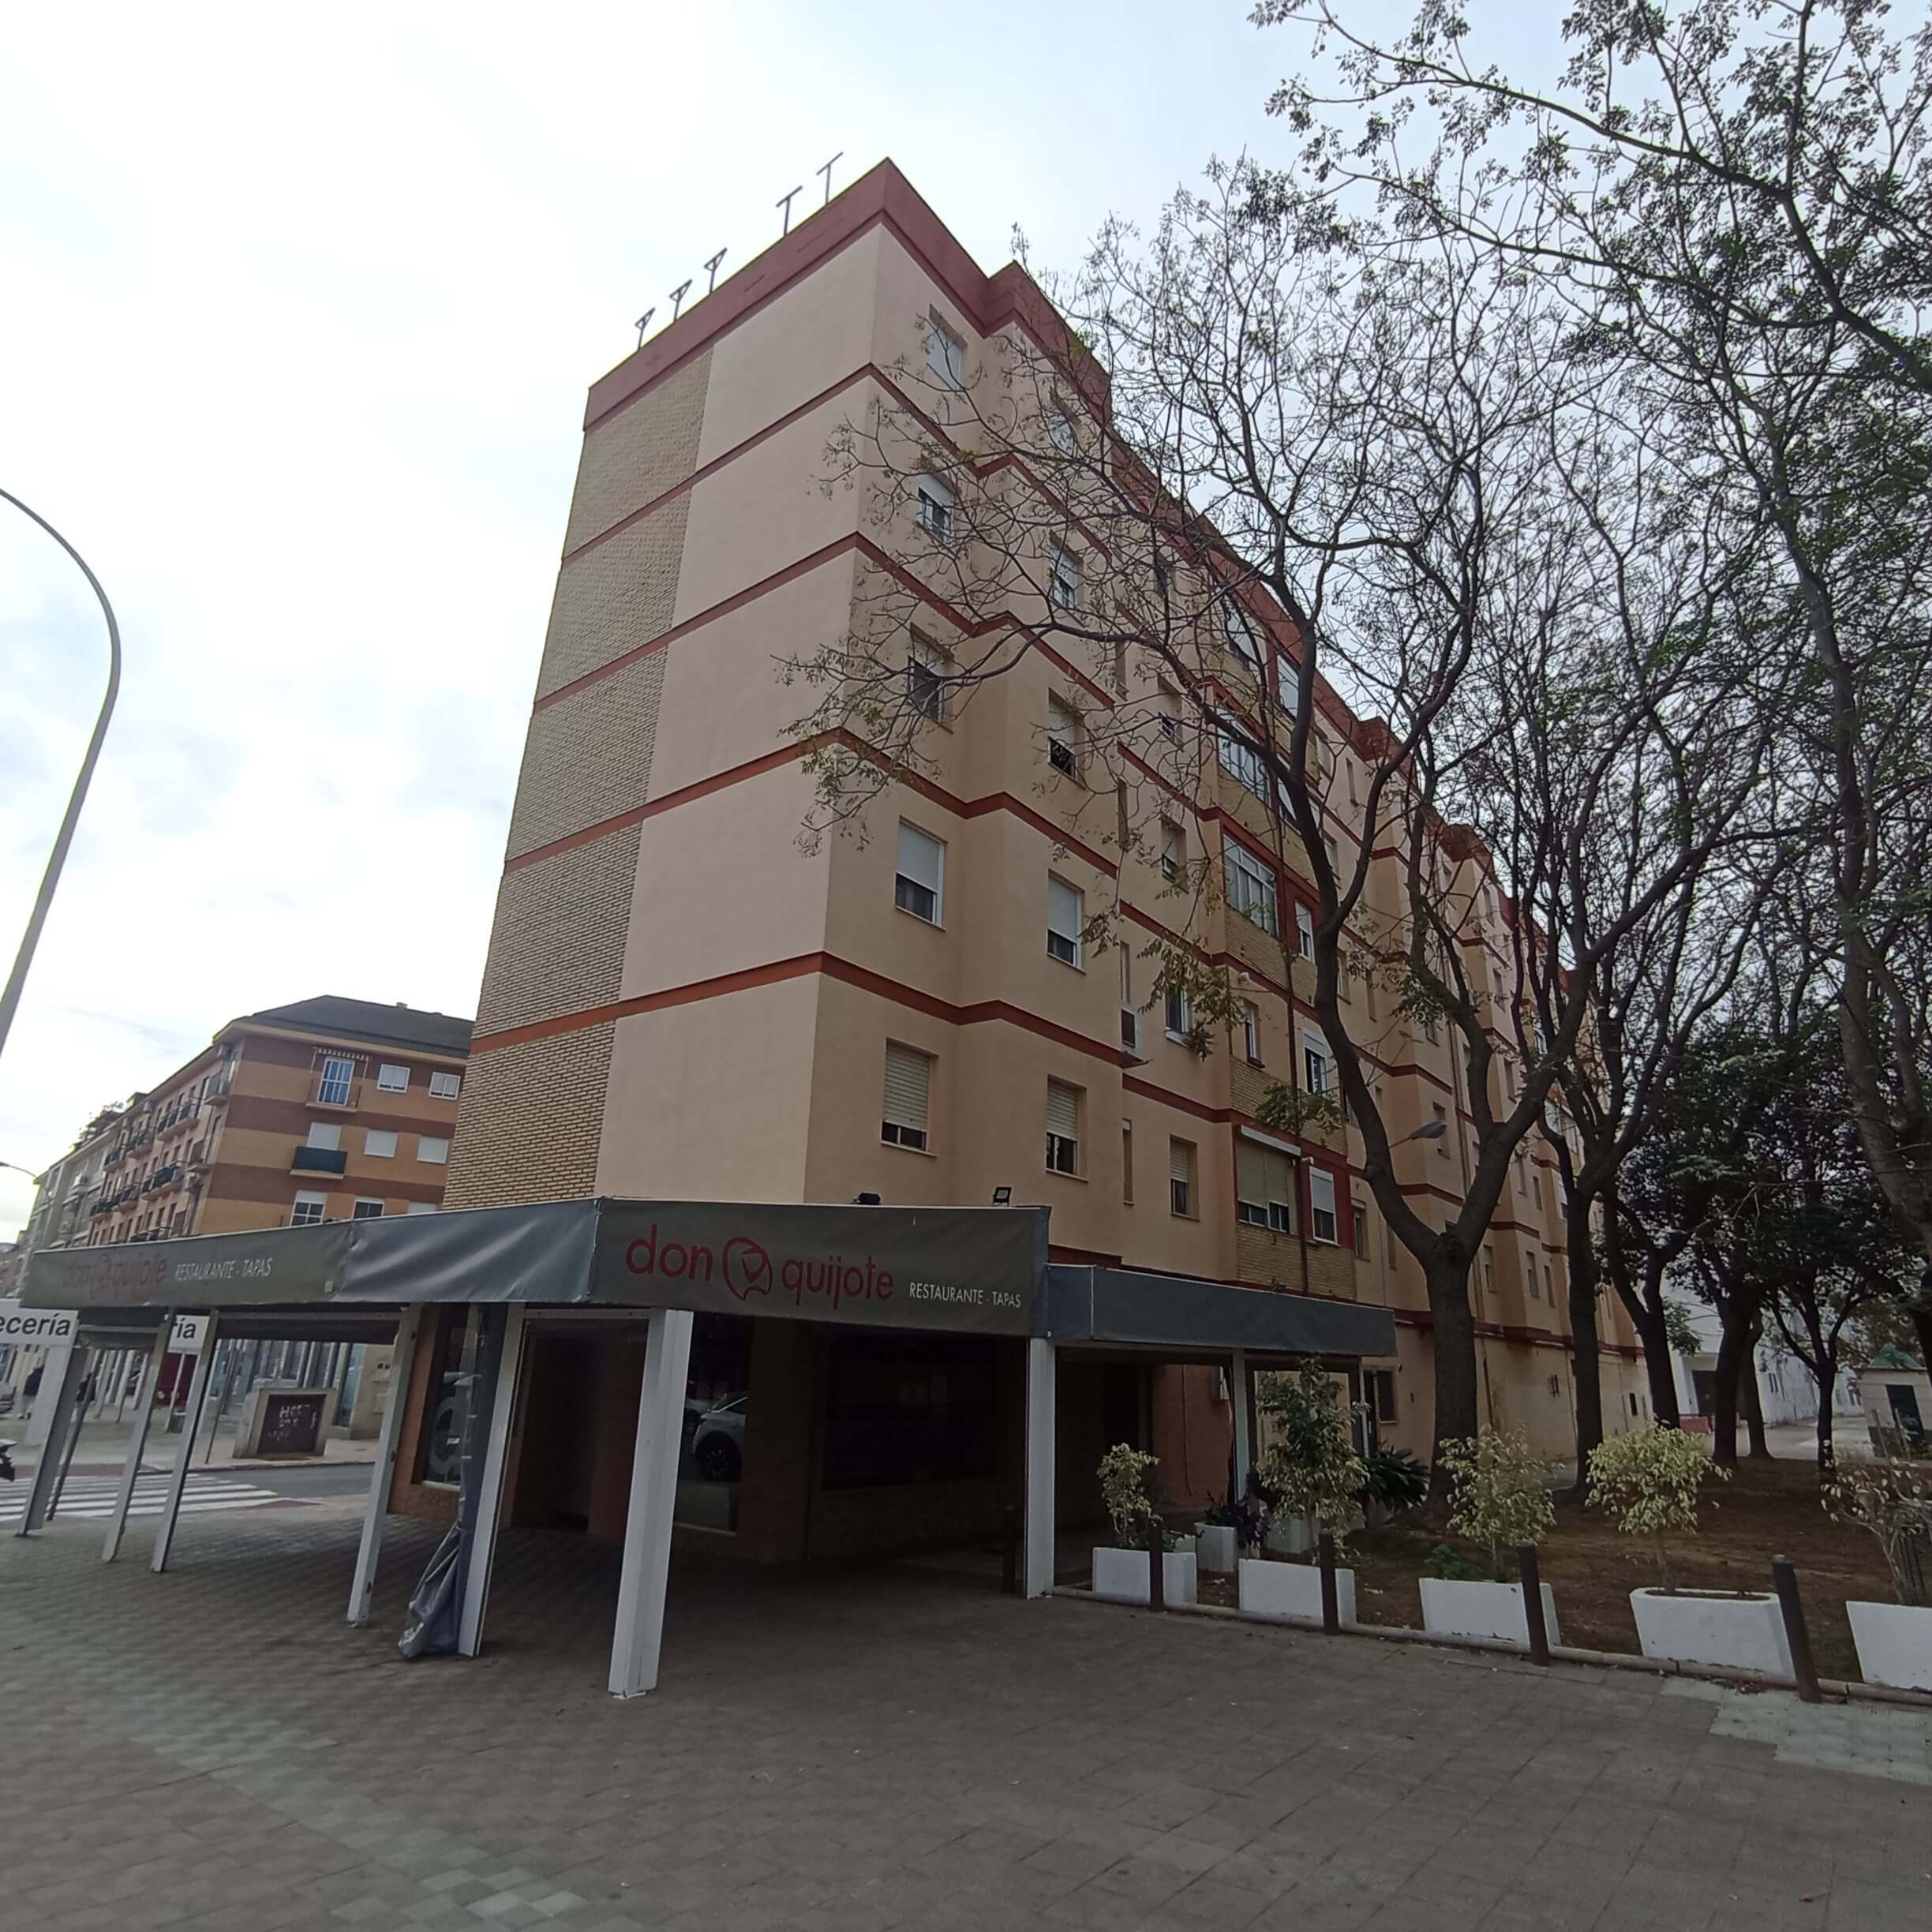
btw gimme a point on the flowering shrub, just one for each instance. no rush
(1649, 1479)
(1498, 1493)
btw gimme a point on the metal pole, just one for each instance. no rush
(388, 1439)
(1532, 1603)
(9, 999)
(137, 1438)
(177, 1480)
(1784, 1581)
(1157, 1567)
(52, 1465)
(1331, 1612)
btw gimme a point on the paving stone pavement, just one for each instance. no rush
(215, 1749)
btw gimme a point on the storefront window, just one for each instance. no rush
(711, 1463)
(903, 1409)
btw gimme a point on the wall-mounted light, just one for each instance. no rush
(1002, 1197)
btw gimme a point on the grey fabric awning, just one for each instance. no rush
(1129, 1306)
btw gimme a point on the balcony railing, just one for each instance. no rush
(331, 1092)
(319, 1160)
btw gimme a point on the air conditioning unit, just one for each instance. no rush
(1131, 1043)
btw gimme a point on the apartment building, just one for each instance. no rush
(681, 1002)
(329, 1109)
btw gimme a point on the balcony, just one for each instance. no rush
(162, 1177)
(319, 1160)
(343, 1095)
(113, 1157)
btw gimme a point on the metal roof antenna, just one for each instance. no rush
(643, 322)
(712, 265)
(784, 203)
(677, 298)
(826, 172)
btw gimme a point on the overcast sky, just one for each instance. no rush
(299, 308)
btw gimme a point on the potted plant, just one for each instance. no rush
(1310, 1470)
(1120, 1570)
(1499, 1498)
(1894, 1501)
(1649, 1479)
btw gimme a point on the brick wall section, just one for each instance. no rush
(557, 942)
(616, 597)
(588, 757)
(531, 1116)
(1266, 1258)
(639, 453)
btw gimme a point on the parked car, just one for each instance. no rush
(717, 1443)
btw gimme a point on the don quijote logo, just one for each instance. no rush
(747, 1269)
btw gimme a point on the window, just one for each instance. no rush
(1633, 1404)
(1380, 1392)
(1322, 1204)
(1242, 761)
(1065, 916)
(379, 1143)
(908, 1090)
(1549, 1286)
(1358, 1217)
(926, 670)
(1240, 631)
(325, 1134)
(1334, 851)
(1180, 1177)
(1251, 1031)
(1167, 713)
(445, 1086)
(1442, 1143)
(366, 1211)
(1304, 930)
(936, 505)
(1063, 726)
(1530, 1269)
(392, 1079)
(921, 875)
(1250, 885)
(1172, 851)
(1126, 1163)
(1314, 1063)
(1177, 1015)
(1263, 1186)
(1287, 684)
(434, 1148)
(1523, 1186)
(1060, 428)
(1063, 586)
(945, 352)
(1063, 1112)
(308, 1209)
(333, 1088)
(1488, 1270)
(912, 1408)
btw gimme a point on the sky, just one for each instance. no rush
(299, 311)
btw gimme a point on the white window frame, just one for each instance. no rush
(390, 1078)
(1063, 1150)
(1243, 639)
(902, 878)
(1314, 1057)
(938, 510)
(1175, 1000)
(308, 1198)
(904, 1133)
(1182, 1204)
(1276, 1213)
(365, 1201)
(1063, 736)
(1304, 929)
(371, 1151)
(1287, 684)
(325, 1136)
(946, 350)
(445, 1086)
(1251, 1031)
(1251, 888)
(927, 670)
(1173, 852)
(1075, 942)
(1358, 1227)
(1240, 760)
(1063, 579)
(328, 1080)
(426, 1142)
(1322, 1187)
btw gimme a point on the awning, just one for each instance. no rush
(1127, 1306)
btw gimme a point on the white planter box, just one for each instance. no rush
(1286, 1593)
(1465, 1609)
(1698, 1627)
(1120, 1575)
(1894, 1644)
(1291, 1535)
(1214, 1543)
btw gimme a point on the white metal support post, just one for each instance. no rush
(59, 1400)
(482, 1552)
(646, 1570)
(402, 1355)
(1241, 1392)
(184, 1449)
(1042, 1370)
(138, 1439)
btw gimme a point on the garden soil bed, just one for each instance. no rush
(1767, 1510)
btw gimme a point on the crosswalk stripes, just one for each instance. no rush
(93, 1497)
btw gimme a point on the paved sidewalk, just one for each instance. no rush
(103, 1445)
(215, 1749)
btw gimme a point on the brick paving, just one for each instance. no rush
(216, 1749)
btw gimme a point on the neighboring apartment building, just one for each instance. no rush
(679, 1002)
(326, 1109)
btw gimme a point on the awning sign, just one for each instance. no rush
(190, 1332)
(35, 1328)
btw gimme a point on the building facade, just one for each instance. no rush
(680, 1001)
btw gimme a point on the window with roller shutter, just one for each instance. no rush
(1063, 1127)
(1180, 1177)
(908, 1088)
(1263, 1186)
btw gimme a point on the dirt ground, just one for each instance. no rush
(1767, 1509)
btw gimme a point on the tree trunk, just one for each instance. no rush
(1921, 1322)
(1453, 1337)
(1825, 1420)
(1751, 1397)
(1738, 1313)
(1586, 1358)
(1648, 1314)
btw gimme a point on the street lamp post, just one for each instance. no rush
(9, 999)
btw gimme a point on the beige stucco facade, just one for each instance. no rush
(683, 1001)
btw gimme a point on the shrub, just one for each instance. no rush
(1895, 1503)
(1393, 1478)
(1498, 1489)
(1448, 1563)
(1124, 1487)
(1649, 1479)
(1310, 1467)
